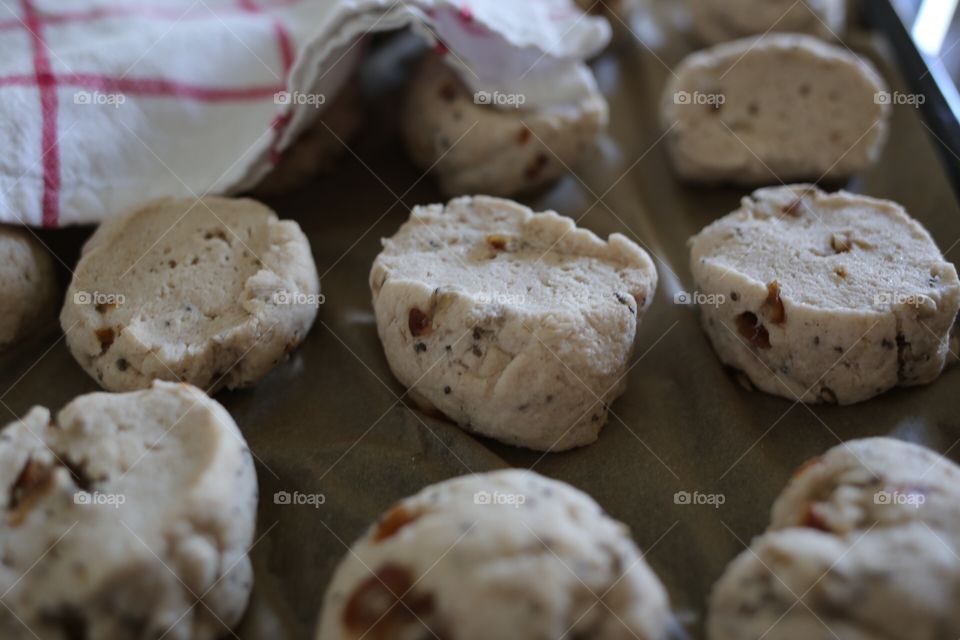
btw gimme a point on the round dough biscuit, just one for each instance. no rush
(863, 545)
(782, 108)
(825, 297)
(28, 284)
(507, 554)
(475, 148)
(514, 324)
(129, 516)
(716, 21)
(213, 292)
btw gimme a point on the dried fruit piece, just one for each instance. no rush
(776, 313)
(384, 605)
(749, 326)
(813, 520)
(841, 242)
(106, 337)
(397, 518)
(418, 322)
(34, 481)
(498, 242)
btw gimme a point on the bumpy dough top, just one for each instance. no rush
(508, 554)
(180, 483)
(830, 251)
(549, 262)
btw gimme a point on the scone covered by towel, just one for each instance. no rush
(507, 554)
(514, 324)
(129, 517)
(493, 143)
(781, 108)
(864, 544)
(825, 297)
(214, 292)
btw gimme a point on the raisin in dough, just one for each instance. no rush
(793, 108)
(319, 148)
(514, 324)
(28, 287)
(863, 565)
(478, 148)
(507, 554)
(214, 293)
(716, 21)
(129, 516)
(826, 297)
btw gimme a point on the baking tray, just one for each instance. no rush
(333, 421)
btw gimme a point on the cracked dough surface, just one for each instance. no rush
(132, 569)
(28, 286)
(513, 324)
(863, 545)
(794, 108)
(507, 554)
(826, 297)
(213, 293)
(478, 148)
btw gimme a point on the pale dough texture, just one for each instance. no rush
(716, 21)
(476, 148)
(783, 108)
(507, 554)
(28, 285)
(214, 293)
(513, 324)
(825, 297)
(129, 516)
(863, 545)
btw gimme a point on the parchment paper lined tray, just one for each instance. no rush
(333, 421)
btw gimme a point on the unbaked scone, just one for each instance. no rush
(863, 545)
(213, 292)
(28, 284)
(825, 297)
(474, 147)
(319, 147)
(514, 324)
(783, 108)
(716, 21)
(129, 516)
(507, 554)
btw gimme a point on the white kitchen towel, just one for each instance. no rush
(107, 104)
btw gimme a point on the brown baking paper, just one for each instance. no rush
(332, 420)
